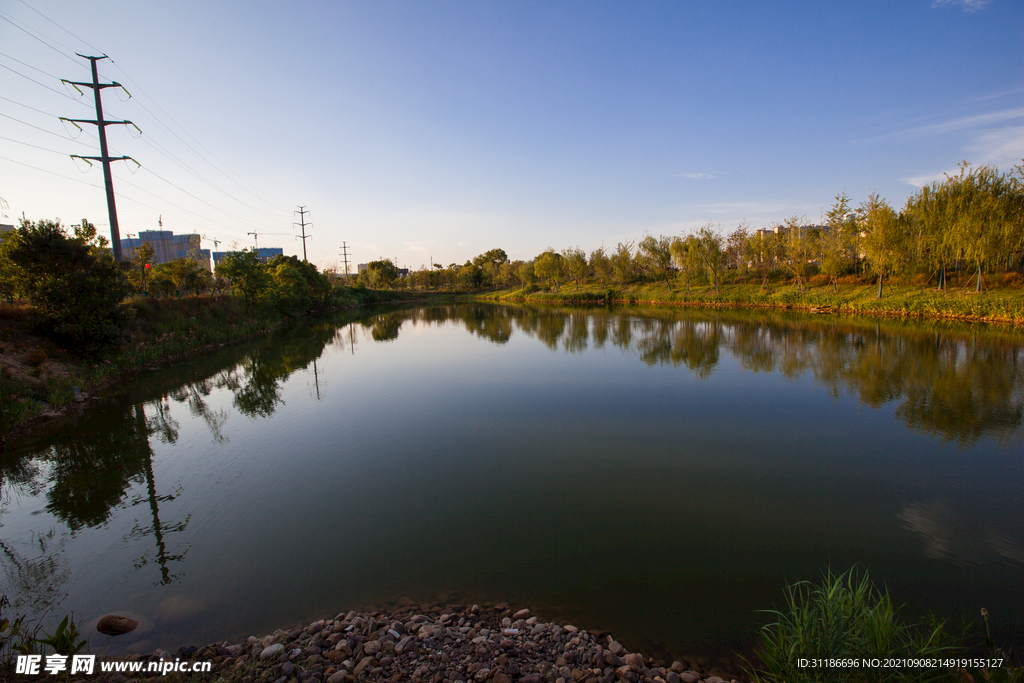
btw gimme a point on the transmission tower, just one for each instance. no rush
(344, 255)
(104, 158)
(302, 213)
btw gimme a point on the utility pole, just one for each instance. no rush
(255, 240)
(302, 213)
(104, 158)
(344, 255)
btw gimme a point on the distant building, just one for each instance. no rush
(167, 246)
(362, 268)
(6, 228)
(263, 253)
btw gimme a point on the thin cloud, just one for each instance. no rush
(1002, 148)
(963, 123)
(705, 175)
(967, 5)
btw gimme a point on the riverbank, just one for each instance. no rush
(436, 643)
(41, 380)
(1003, 305)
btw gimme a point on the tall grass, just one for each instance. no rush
(846, 618)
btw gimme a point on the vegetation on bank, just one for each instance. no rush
(941, 254)
(846, 629)
(73, 319)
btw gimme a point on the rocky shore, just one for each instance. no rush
(435, 644)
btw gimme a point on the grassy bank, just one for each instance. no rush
(1002, 305)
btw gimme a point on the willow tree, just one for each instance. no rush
(575, 260)
(712, 257)
(548, 266)
(623, 266)
(883, 237)
(763, 251)
(601, 265)
(657, 255)
(985, 207)
(684, 253)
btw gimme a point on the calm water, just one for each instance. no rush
(659, 473)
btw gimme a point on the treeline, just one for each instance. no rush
(971, 223)
(77, 289)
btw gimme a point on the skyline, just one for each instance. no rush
(443, 130)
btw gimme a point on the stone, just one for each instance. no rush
(363, 663)
(116, 625)
(532, 678)
(616, 648)
(714, 679)
(521, 614)
(672, 677)
(287, 668)
(315, 627)
(678, 667)
(271, 651)
(337, 677)
(689, 677)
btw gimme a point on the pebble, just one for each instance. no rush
(434, 644)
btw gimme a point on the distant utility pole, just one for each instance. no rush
(255, 239)
(344, 255)
(104, 158)
(302, 213)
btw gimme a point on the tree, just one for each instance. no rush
(247, 275)
(182, 272)
(657, 253)
(736, 247)
(800, 248)
(548, 266)
(72, 282)
(527, 273)
(576, 265)
(883, 237)
(684, 252)
(381, 273)
(709, 251)
(836, 245)
(142, 257)
(763, 252)
(601, 265)
(622, 262)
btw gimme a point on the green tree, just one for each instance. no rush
(836, 245)
(684, 253)
(247, 275)
(601, 265)
(576, 265)
(623, 267)
(800, 248)
(657, 255)
(548, 266)
(138, 275)
(883, 237)
(381, 273)
(736, 247)
(709, 251)
(72, 282)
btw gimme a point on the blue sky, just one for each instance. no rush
(419, 130)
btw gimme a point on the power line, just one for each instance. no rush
(75, 180)
(62, 94)
(30, 125)
(16, 25)
(95, 49)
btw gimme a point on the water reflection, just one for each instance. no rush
(945, 380)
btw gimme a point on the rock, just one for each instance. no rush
(714, 679)
(116, 625)
(634, 661)
(532, 678)
(671, 677)
(363, 663)
(337, 677)
(678, 667)
(616, 648)
(315, 627)
(521, 614)
(689, 677)
(287, 668)
(271, 651)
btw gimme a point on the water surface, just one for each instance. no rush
(658, 473)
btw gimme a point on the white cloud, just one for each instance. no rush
(968, 5)
(963, 123)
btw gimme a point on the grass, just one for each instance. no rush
(845, 618)
(1003, 304)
